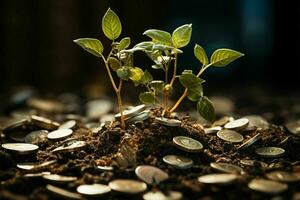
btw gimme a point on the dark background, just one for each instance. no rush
(37, 47)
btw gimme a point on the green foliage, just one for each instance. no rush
(158, 86)
(222, 57)
(114, 63)
(147, 98)
(123, 44)
(206, 108)
(162, 37)
(91, 45)
(182, 35)
(111, 25)
(200, 54)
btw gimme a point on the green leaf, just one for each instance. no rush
(136, 74)
(189, 80)
(222, 57)
(206, 109)
(195, 93)
(124, 73)
(147, 77)
(157, 85)
(114, 63)
(123, 44)
(111, 25)
(147, 98)
(200, 54)
(157, 66)
(160, 36)
(181, 36)
(91, 45)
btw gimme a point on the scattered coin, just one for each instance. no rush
(107, 118)
(97, 108)
(212, 130)
(237, 124)
(226, 167)
(60, 134)
(68, 125)
(44, 123)
(218, 178)
(71, 145)
(127, 186)
(59, 178)
(250, 142)
(36, 175)
(63, 193)
(14, 124)
(293, 127)
(93, 190)
(252, 163)
(267, 186)
(151, 175)
(35, 166)
(230, 136)
(105, 168)
(283, 176)
(168, 122)
(20, 148)
(178, 161)
(131, 112)
(222, 121)
(270, 151)
(140, 117)
(36, 137)
(158, 195)
(187, 144)
(257, 121)
(45, 105)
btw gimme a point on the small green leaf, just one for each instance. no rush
(114, 63)
(222, 57)
(189, 80)
(124, 73)
(147, 77)
(91, 45)
(157, 66)
(163, 60)
(195, 93)
(160, 36)
(157, 85)
(206, 109)
(200, 54)
(136, 74)
(123, 44)
(147, 98)
(111, 25)
(181, 36)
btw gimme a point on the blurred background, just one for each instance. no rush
(37, 48)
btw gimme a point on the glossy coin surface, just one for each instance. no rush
(93, 190)
(71, 145)
(150, 174)
(140, 117)
(237, 124)
(267, 186)
(36, 137)
(230, 136)
(252, 163)
(250, 142)
(226, 167)
(283, 176)
(187, 144)
(127, 186)
(212, 130)
(168, 122)
(132, 112)
(178, 161)
(20, 148)
(270, 151)
(59, 178)
(68, 125)
(65, 194)
(158, 195)
(217, 178)
(60, 134)
(32, 166)
(293, 127)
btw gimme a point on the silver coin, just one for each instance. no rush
(267, 186)
(14, 124)
(68, 125)
(230, 136)
(95, 127)
(131, 112)
(140, 117)
(107, 118)
(97, 108)
(178, 161)
(60, 134)
(106, 168)
(49, 106)
(293, 127)
(237, 124)
(151, 175)
(20, 148)
(44, 123)
(35, 175)
(36, 137)
(35, 166)
(270, 151)
(222, 121)
(93, 189)
(168, 122)
(257, 121)
(127, 186)
(65, 194)
(212, 130)
(59, 178)
(283, 176)
(158, 195)
(250, 142)
(226, 167)
(222, 179)
(72, 145)
(187, 144)
(251, 163)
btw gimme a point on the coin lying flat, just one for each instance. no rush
(250, 142)
(293, 127)
(252, 163)
(35, 175)
(13, 124)
(187, 144)
(95, 127)
(59, 178)
(140, 117)
(212, 130)
(65, 194)
(35, 166)
(106, 168)
(72, 145)
(222, 121)
(150, 174)
(178, 161)
(20, 148)
(270, 151)
(218, 178)
(237, 124)
(127, 186)
(230, 136)
(226, 167)
(36, 137)
(168, 122)
(257, 121)
(93, 190)
(44, 123)
(131, 112)
(267, 186)
(158, 195)
(283, 176)
(68, 125)
(60, 134)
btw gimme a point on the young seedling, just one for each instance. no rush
(164, 50)
(116, 60)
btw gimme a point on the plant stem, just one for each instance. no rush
(175, 71)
